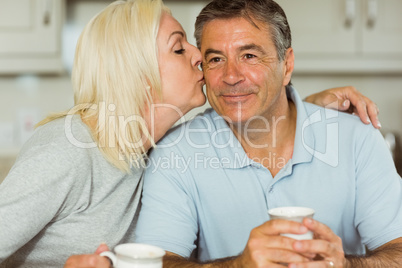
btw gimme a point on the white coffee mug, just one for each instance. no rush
(293, 214)
(135, 256)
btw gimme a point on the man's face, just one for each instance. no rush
(244, 77)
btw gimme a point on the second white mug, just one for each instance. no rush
(135, 256)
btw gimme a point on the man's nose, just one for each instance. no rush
(232, 73)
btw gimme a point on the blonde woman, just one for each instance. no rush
(77, 181)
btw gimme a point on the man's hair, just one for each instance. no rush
(116, 65)
(265, 11)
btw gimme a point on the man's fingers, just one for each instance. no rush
(327, 245)
(313, 264)
(281, 242)
(278, 242)
(321, 230)
(277, 227)
(286, 243)
(321, 247)
(266, 246)
(280, 256)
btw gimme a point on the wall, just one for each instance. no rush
(22, 95)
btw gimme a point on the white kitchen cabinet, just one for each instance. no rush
(30, 36)
(382, 27)
(318, 26)
(360, 36)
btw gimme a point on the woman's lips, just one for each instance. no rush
(202, 81)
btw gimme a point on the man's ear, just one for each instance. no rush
(289, 66)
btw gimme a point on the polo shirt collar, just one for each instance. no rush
(227, 146)
(304, 142)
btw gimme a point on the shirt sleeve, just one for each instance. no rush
(378, 216)
(34, 193)
(168, 216)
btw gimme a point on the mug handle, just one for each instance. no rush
(110, 255)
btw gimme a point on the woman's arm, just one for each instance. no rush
(31, 196)
(348, 99)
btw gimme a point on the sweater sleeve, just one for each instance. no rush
(40, 187)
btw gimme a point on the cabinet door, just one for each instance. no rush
(382, 27)
(28, 26)
(320, 27)
(30, 35)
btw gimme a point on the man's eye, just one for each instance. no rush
(214, 60)
(249, 56)
(180, 51)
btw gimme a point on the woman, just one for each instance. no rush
(76, 182)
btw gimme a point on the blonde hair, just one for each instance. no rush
(115, 68)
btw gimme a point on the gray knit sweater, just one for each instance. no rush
(60, 199)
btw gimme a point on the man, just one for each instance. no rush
(211, 181)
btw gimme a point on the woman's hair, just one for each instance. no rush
(266, 11)
(115, 68)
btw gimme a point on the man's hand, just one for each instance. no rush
(325, 244)
(348, 99)
(90, 260)
(266, 247)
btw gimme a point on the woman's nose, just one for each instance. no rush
(196, 58)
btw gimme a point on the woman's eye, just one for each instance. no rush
(180, 51)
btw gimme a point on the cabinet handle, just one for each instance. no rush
(47, 11)
(372, 13)
(350, 12)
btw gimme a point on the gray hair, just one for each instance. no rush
(266, 11)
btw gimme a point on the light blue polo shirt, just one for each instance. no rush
(201, 190)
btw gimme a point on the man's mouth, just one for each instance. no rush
(236, 97)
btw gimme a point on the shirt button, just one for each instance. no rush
(271, 190)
